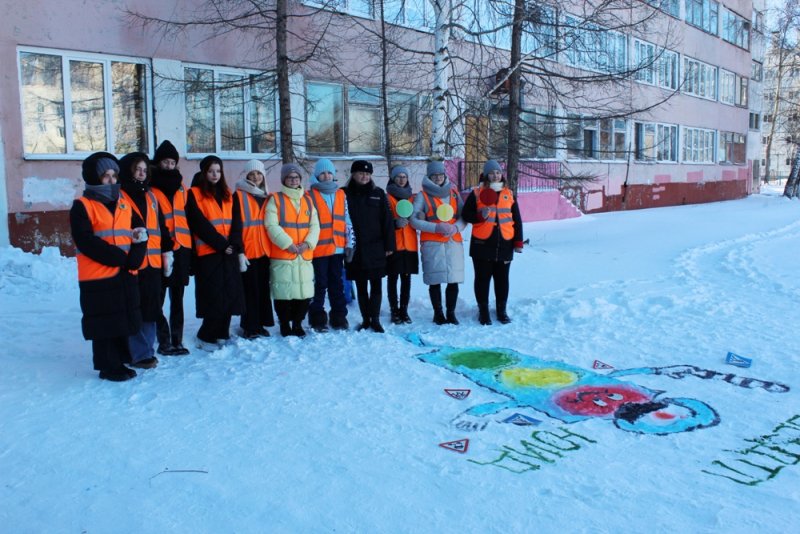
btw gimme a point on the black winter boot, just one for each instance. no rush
(502, 316)
(404, 315)
(483, 314)
(366, 323)
(376, 325)
(451, 298)
(318, 320)
(435, 293)
(397, 318)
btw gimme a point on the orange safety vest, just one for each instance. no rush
(430, 216)
(499, 214)
(406, 237)
(295, 223)
(175, 217)
(254, 233)
(332, 226)
(113, 229)
(220, 217)
(153, 258)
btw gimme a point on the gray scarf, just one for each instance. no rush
(103, 192)
(439, 191)
(247, 187)
(398, 192)
(326, 188)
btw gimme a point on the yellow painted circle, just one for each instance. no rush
(444, 212)
(538, 378)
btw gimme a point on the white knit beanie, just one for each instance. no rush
(253, 165)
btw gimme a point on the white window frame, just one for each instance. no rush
(701, 84)
(234, 154)
(664, 134)
(698, 146)
(106, 59)
(607, 52)
(735, 29)
(662, 66)
(708, 17)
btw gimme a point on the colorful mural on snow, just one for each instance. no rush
(572, 394)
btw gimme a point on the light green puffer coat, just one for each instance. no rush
(290, 279)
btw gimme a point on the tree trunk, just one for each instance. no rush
(441, 64)
(387, 145)
(792, 184)
(282, 73)
(515, 81)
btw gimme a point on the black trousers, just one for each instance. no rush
(171, 332)
(291, 311)
(214, 328)
(109, 354)
(405, 290)
(450, 296)
(257, 301)
(370, 294)
(485, 272)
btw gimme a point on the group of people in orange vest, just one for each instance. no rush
(140, 234)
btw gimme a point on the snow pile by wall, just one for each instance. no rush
(23, 273)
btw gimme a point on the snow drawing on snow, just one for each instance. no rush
(571, 394)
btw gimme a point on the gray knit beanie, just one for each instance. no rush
(435, 167)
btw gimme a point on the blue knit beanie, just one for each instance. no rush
(491, 165)
(399, 169)
(435, 167)
(324, 165)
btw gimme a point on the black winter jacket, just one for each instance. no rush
(111, 307)
(373, 227)
(494, 248)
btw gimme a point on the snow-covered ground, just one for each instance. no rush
(340, 432)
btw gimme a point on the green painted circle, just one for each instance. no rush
(481, 359)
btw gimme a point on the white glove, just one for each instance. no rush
(243, 263)
(166, 263)
(139, 235)
(401, 222)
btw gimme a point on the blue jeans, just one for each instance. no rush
(328, 278)
(142, 342)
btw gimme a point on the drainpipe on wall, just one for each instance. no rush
(4, 239)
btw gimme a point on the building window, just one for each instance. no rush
(655, 67)
(703, 14)
(354, 7)
(539, 31)
(410, 123)
(727, 87)
(595, 139)
(757, 73)
(537, 134)
(700, 79)
(758, 21)
(698, 145)
(755, 122)
(324, 118)
(415, 14)
(348, 120)
(671, 7)
(735, 29)
(229, 111)
(74, 103)
(590, 46)
(656, 142)
(363, 120)
(732, 148)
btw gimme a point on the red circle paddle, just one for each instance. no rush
(488, 196)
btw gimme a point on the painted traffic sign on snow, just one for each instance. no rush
(521, 420)
(738, 361)
(600, 365)
(459, 446)
(459, 394)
